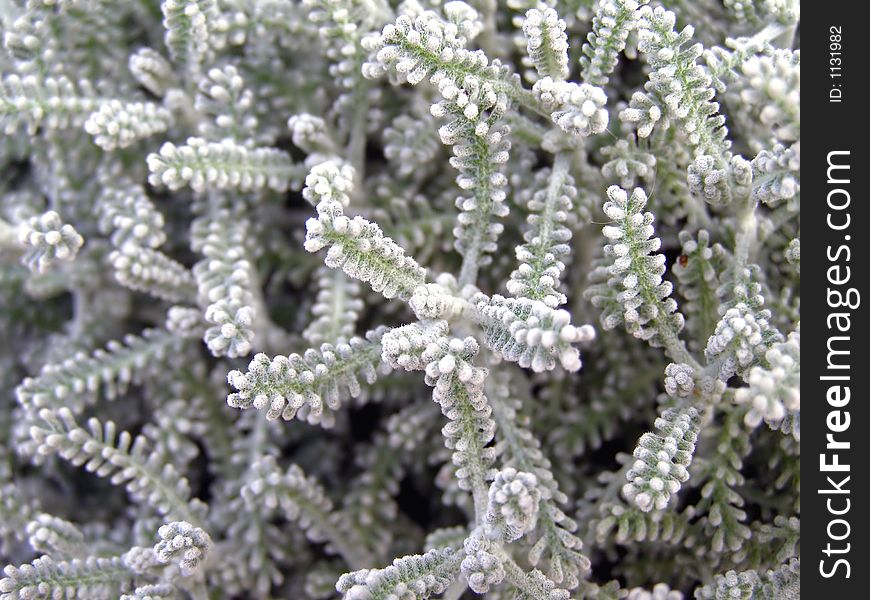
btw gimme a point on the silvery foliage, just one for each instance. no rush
(663, 460)
(398, 230)
(514, 497)
(48, 240)
(774, 392)
(183, 543)
(777, 584)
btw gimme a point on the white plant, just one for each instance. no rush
(369, 299)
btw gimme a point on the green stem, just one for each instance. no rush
(482, 193)
(198, 590)
(489, 36)
(747, 231)
(470, 437)
(356, 148)
(455, 591)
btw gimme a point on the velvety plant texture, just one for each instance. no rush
(396, 300)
